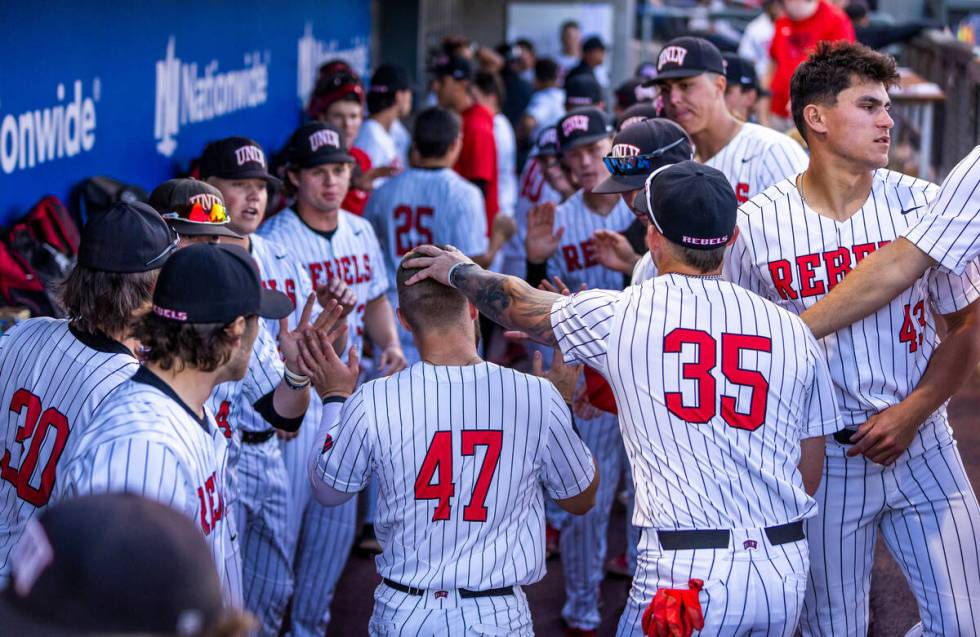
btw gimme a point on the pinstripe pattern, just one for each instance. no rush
(455, 216)
(794, 256)
(710, 475)
(758, 157)
(574, 261)
(387, 427)
(533, 190)
(42, 357)
(323, 537)
(143, 441)
(950, 234)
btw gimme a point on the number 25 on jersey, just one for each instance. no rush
(438, 466)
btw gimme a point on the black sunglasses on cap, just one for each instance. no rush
(626, 165)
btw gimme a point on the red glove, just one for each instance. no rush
(674, 612)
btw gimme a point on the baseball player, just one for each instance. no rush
(584, 139)
(429, 203)
(330, 243)
(949, 235)
(55, 373)
(894, 465)
(691, 79)
(389, 98)
(154, 435)
(724, 402)
(460, 448)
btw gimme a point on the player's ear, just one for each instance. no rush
(293, 176)
(734, 236)
(814, 118)
(651, 237)
(401, 319)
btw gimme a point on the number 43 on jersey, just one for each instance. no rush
(435, 477)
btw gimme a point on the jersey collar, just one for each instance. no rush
(145, 376)
(99, 342)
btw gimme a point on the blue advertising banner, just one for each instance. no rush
(134, 90)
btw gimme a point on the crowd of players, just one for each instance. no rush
(261, 343)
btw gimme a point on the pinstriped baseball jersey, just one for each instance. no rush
(715, 387)
(644, 270)
(53, 379)
(353, 253)
(756, 158)
(145, 440)
(793, 256)
(534, 190)
(424, 205)
(459, 454)
(283, 272)
(950, 234)
(575, 261)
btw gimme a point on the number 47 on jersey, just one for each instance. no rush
(435, 477)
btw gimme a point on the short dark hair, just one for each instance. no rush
(436, 129)
(831, 69)
(546, 70)
(169, 344)
(377, 101)
(427, 304)
(524, 43)
(490, 84)
(97, 301)
(570, 24)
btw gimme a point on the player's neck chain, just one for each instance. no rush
(476, 360)
(711, 277)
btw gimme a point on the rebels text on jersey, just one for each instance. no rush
(53, 378)
(715, 388)
(756, 158)
(459, 454)
(794, 256)
(575, 261)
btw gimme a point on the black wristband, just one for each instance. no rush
(335, 399)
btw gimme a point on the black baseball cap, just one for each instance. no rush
(636, 114)
(454, 66)
(236, 158)
(741, 72)
(640, 149)
(389, 78)
(693, 205)
(688, 56)
(209, 283)
(593, 42)
(547, 142)
(582, 90)
(193, 208)
(128, 237)
(581, 126)
(317, 143)
(111, 564)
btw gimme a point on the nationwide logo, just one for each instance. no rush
(53, 132)
(311, 53)
(185, 95)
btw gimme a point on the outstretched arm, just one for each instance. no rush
(506, 300)
(877, 280)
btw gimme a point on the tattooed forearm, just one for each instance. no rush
(508, 301)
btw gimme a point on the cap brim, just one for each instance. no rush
(271, 180)
(338, 158)
(640, 203)
(275, 305)
(193, 229)
(582, 141)
(617, 184)
(673, 75)
(547, 150)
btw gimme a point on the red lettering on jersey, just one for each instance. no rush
(742, 192)
(533, 182)
(205, 525)
(345, 268)
(291, 290)
(315, 271)
(367, 267)
(221, 418)
(862, 250)
(809, 284)
(588, 253)
(782, 277)
(838, 264)
(572, 262)
(212, 504)
(330, 270)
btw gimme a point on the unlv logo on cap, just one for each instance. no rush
(246, 154)
(574, 123)
(325, 137)
(549, 136)
(625, 150)
(672, 55)
(206, 199)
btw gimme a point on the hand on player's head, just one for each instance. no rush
(435, 264)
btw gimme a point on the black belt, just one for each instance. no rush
(719, 538)
(465, 594)
(844, 436)
(257, 437)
